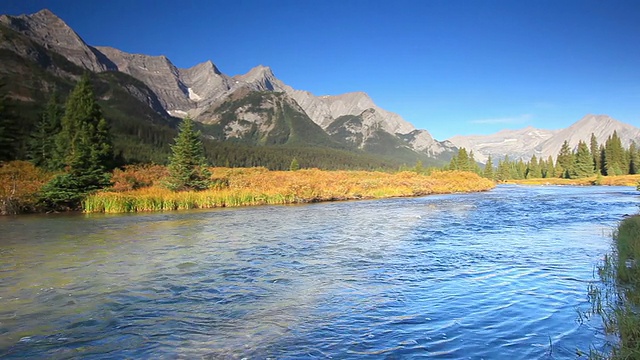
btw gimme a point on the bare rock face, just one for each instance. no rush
(323, 110)
(181, 91)
(422, 141)
(157, 72)
(260, 78)
(50, 31)
(205, 83)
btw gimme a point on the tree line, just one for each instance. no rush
(608, 159)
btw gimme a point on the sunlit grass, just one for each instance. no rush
(258, 186)
(622, 180)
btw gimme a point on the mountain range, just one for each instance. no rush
(144, 96)
(525, 143)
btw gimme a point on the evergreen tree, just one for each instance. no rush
(634, 159)
(614, 162)
(488, 169)
(295, 166)
(83, 147)
(551, 169)
(453, 164)
(565, 160)
(473, 165)
(533, 170)
(504, 169)
(460, 161)
(583, 165)
(603, 170)
(419, 168)
(42, 145)
(187, 164)
(595, 153)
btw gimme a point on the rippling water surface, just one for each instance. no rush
(490, 275)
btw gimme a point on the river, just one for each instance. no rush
(501, 274)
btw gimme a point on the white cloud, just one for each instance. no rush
(519, 119)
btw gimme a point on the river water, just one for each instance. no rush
(493, 275)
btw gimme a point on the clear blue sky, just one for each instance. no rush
(448, 66)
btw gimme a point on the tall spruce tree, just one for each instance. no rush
(583, 164)
(550, 171)
(187, 164)
(595, 153)
(634, 159)
(565, 160)
(488, 168)
(504, 170)
(83, 149)
(614, 159)
(533, 170)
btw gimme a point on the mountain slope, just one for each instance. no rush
(50, 31)
(602, 126)
(284, 117)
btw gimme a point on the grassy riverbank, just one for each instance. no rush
(617, 300)
(138, 189)
(622, 180)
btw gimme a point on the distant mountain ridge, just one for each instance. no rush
(525, 143)
(200, 90)
(257, 108)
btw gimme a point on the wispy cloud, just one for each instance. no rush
(520, 119)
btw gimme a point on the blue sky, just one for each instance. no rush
(451, 66)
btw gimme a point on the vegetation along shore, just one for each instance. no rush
(143, 188)
(617, 298)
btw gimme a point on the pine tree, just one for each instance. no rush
(187, 164)
(42, 145)
(419, 168)
(551, 169)
(614, 162)
(295, 166)
(565, 160)
(634, 159)
(473, 165)
(83, 147)
(595, 153)
(583, 164)
(504, 169)
(534, 171)
(460, 161)
(488, 169)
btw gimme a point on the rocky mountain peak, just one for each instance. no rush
(260, 78)
(53, 33)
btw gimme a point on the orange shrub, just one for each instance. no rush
(20, 182)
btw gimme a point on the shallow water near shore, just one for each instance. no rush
(501, 274)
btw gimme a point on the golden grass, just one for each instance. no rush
(622, 180)
(259, 186)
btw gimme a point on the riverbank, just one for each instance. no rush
(258, 186)
(622, 180)
(617, 301)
